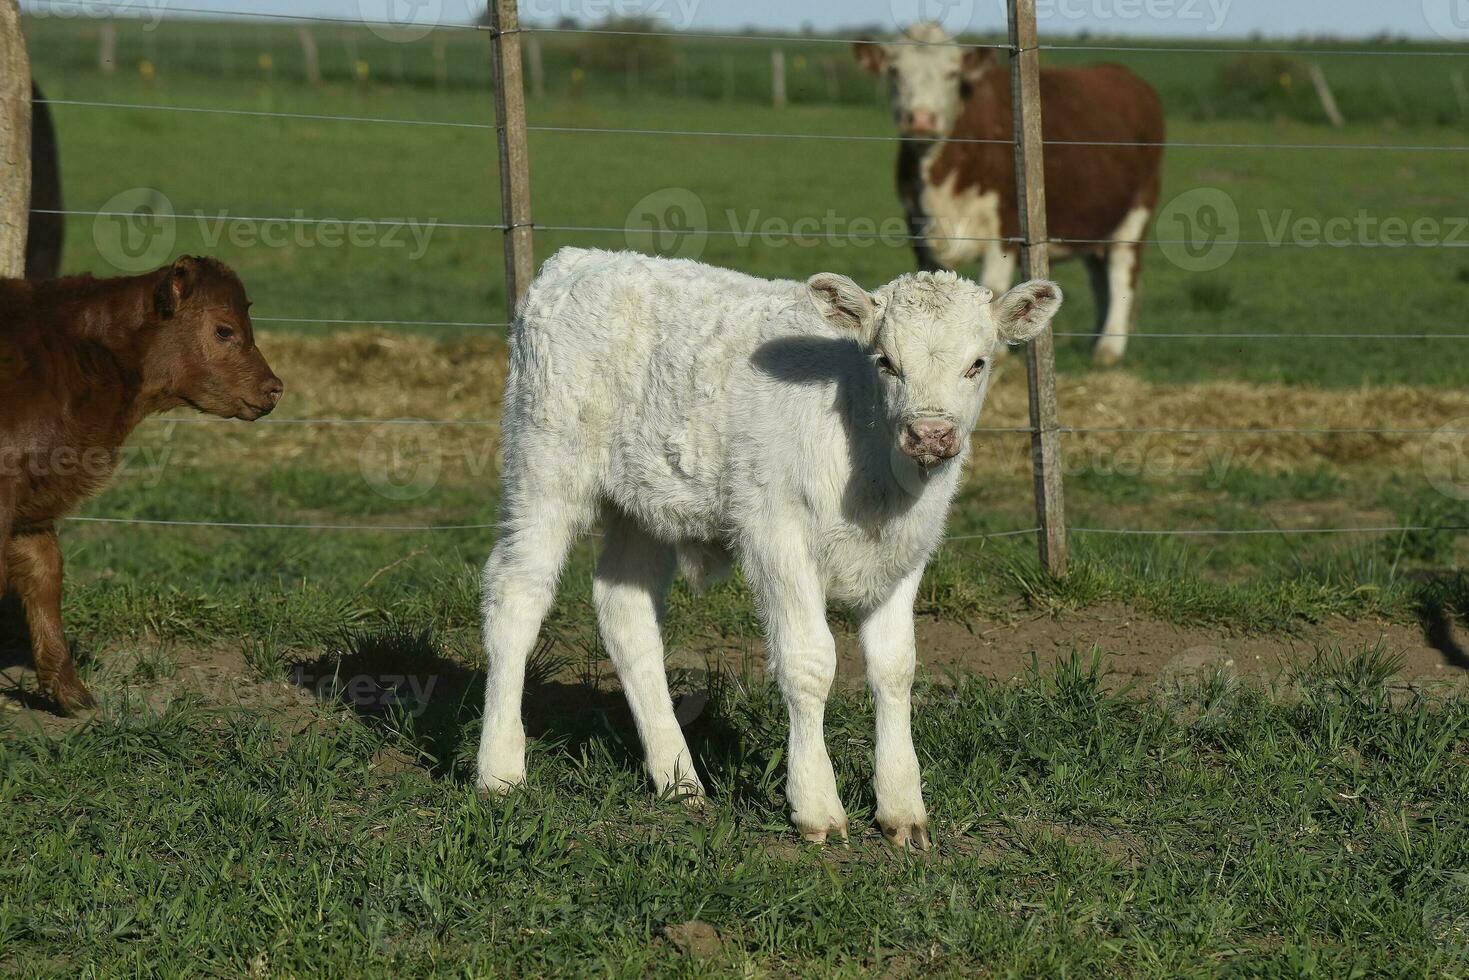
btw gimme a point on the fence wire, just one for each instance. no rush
(121, 11)
(737, 134)
(953, 538)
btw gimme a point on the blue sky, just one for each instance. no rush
(1446, 19)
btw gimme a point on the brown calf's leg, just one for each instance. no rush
(35, 572)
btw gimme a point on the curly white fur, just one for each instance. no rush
(704, 414)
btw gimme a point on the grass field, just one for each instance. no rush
(1195, 755)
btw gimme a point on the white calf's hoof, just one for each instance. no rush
(499, 785)
(688, 791)
(501, 766)
(908, 836)
(821, 829)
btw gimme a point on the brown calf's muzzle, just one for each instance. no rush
(267, 396)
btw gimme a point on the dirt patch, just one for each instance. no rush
(139, 682)
(694, 938)
(379, 375)
(1136, 649)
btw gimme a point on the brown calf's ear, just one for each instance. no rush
(1025, 311)
(870, 55)
(841, 302)
(176, 286)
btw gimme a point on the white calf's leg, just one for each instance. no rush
(1124, 263)
(519, 587)
(888, 647)
(632, 578)
(804, 659)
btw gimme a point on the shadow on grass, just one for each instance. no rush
(397, 680)
(1442, 600)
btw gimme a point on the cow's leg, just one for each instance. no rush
(34, 560)
(804, 659)
(519, 586)
(1124, 264)
(1096, 270)
(889, 648)
(633, 575)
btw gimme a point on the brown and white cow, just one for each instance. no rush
(1099, 199)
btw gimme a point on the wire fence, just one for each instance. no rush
(124, 11)
(728, 134)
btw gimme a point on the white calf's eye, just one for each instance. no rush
(886, 366)
(975, 368)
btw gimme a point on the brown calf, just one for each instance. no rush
(1104, 130)
(82, 362)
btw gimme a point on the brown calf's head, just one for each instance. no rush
(202, 350)
(929, 77)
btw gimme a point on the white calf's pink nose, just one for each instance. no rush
(931, 439)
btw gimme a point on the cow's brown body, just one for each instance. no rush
(1091, 186)
(82, 363)
(1104, 131)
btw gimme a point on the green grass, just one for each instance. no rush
(260, 167)
(1315, 830)
(1201, 84)
(209, 586)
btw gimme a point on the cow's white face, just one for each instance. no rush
(928, 77)
(931, 338)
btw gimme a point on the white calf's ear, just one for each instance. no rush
(841, 302)
(1026, 310)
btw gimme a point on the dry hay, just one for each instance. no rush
(380, 375)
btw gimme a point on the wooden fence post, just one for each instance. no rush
(778, 78)
(107, 47)
(15, 142)
(1035, 263)
(520, 262)
(310, 56)
(1324, 93)
(537, 67)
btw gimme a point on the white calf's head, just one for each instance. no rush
(928, 77)
(931, 337)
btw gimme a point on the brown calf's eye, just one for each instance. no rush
(225, 333)
(975, 368)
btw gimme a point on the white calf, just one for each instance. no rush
(813, 430)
